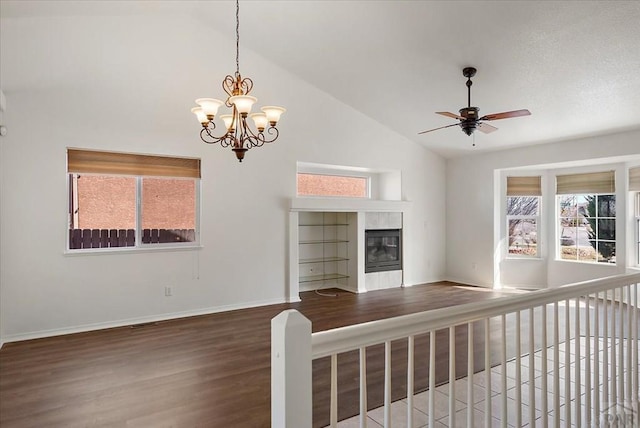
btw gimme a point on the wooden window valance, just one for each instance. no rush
(99, 162)
(634, 179)
(524, 186)
(593, 182)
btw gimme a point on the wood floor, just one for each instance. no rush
(205, 371)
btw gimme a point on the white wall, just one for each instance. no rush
(126, 83)
(473, 226)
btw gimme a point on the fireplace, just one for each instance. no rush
(383, 250)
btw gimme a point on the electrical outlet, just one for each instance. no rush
(474, 266)
(168, 291)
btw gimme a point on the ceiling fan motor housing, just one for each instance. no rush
(469, 113)
(470, 122)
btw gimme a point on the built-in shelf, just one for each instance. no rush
(322, 259)
(324, 277)
(323, 249)
(324, 225)
(324, 241)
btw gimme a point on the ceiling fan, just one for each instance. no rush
(469, 120)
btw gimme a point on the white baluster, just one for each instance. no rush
(605, 351)
(578, 377)
(410, 371)
(487, 373)
(629, 343)
(621, 343)
(614, 361)
(363, 387)
(503, 390)
(587, 360)
(567, 362)
(556, 367)
(452, 376)
(470, 369)
(596, 363)
(432, 378)
(532, 369)
(518, 372)
(387, 384)
(334, 391)
(545, 371)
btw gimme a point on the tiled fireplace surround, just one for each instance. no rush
(363, 215)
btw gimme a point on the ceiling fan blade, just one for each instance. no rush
(506, 114)
(442, 127)
(486, 128)
(451, 115)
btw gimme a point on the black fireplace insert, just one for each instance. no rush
(383, 250)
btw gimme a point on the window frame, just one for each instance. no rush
(138, 246)
(637, 225)
(559, 226)
(536, 218)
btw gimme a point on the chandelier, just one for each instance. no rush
(239, 135)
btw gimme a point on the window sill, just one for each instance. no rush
(587, 263)
(129, 250)
(525, 258)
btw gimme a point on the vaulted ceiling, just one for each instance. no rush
(574, 64)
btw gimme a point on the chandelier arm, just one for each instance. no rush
(209, 138)
(228, 85)
(246, 85)
(248, 138)
(272, 130)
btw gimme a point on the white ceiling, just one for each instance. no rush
(574, 64)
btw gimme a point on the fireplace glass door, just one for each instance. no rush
(384, 250)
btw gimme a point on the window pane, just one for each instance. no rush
(606, 252)
(568, 233)
(606, 206)
(106, 202)
(168, 210)
(523, 237)
(102, 211)
(332, 185)
(567, 205)
(523, 205)
(607, 229)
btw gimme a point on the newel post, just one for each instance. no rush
(291, 371)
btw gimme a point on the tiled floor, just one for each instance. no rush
(375, 418)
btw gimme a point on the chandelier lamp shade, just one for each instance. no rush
(238, 134)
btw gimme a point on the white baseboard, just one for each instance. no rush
(468, 282)
(138, 320)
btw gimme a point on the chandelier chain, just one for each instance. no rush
(237, 37)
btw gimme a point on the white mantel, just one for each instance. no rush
(348, 205)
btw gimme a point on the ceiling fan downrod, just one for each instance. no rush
(469, 72)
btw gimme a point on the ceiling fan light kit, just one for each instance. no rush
(469, 119)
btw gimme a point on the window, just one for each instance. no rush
(588, 227)
(587, 217)
(310, 184)
(523, 215)
(126, 200)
